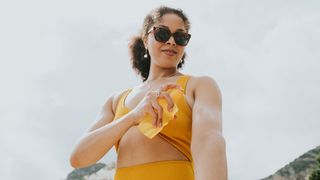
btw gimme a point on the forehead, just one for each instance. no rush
(172, 21)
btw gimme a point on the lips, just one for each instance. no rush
(169, 52)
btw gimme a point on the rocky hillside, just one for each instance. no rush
(98, 171)
(299, 169)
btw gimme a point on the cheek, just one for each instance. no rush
(155, 49)
(181, 52)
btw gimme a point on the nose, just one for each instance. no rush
(171, 41)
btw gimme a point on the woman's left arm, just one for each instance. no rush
(208, 145)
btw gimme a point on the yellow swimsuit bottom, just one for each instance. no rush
(160, 170)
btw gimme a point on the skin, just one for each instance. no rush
(163, 65)
(202, 95)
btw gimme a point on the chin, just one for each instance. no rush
(169, 58)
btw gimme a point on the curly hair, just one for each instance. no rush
(137, 50)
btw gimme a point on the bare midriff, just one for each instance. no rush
(135, 148)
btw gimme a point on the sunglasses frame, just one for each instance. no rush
(154, 29)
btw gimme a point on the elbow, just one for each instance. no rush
(78, 158)
(216, 140)
(76, 163)
(212, 140)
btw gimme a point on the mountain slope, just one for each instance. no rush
(299, 169)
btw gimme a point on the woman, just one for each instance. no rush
(175, 152)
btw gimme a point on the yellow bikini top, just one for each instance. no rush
(178, 131)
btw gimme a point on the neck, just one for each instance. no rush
(153, 77)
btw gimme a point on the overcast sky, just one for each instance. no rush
(60, 60)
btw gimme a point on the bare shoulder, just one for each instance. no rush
(206, 81)
(203, 81)
(110, 103)
(204, 84)
(107, 111)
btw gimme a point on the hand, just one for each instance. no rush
(150, 105)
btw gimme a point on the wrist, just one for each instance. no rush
(133, 118)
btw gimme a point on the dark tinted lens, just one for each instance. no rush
(181, 38)
(162, 35)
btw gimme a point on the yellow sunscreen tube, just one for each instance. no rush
(146, 124)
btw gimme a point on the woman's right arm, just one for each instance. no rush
(101, 136)
(104, 133)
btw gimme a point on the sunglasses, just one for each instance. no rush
(163, 35)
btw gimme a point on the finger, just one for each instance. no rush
(159, 110)
(168, 99)
(171, 86)
(156, 93)
(153, 114)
